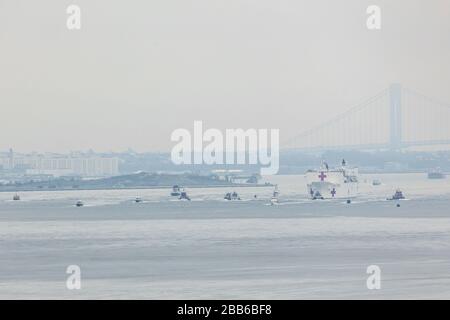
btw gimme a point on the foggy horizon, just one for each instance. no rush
(134, 73)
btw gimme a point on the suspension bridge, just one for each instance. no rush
(395, 118)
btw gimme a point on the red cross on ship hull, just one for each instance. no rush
(333, 192)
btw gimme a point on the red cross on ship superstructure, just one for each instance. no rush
(322, 176)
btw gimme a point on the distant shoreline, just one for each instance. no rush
(141, 188)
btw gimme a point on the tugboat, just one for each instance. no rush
(16, 197)
(398, 195)
(184, 196)
(315, 195)
(138, 199)
(232, 196)
(175, 191)
(275, 195)
(79, 203)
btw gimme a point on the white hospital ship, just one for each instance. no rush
(327, 183)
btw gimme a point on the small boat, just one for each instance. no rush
(398, 195)
(275, 195)
(436, 174)
(16, 197)
(376, 182)
(184, 195)
(232, 196)
(175, 191)
(138, 199)
(79, 203)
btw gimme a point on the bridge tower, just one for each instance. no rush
(395, 96)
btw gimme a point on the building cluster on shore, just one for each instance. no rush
(84, 165)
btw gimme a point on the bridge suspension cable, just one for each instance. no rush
(340, 130)
(395, 117)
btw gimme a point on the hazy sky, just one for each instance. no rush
(137, 70)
